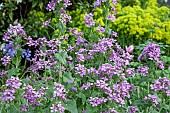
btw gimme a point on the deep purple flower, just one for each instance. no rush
(9, 50)
(26, 54)
(160, 64)
(24, 108)
(132, 109)
(143, 70)
(3, 73)
(152, 50)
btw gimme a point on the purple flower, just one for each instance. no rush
(80, 69)
(46, 23)
(161, 84)
(133, 109)
(51, 5)
(26, 54)
(13, 82)
(114, 34)
(9, 50)
(100, 29)
(143, 70)
(59, 91)
(111, 17)
(67, 3)
(114, 2)
(5, 60)
(3, 73)
(152, 98)
(96, 101)
(24, 108)
(57, 107)
(87, 86)
(8, 94)
(130, 72)
(160, 64)
(152, 50)
(88, 19)
(113, 111)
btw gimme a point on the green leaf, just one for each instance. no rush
(71, 106)
(90, 109)
(41, 5)
(82, 96)
(13, 71)
(11, 15)
(61, 57)
(34, 3)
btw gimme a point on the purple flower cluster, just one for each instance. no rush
(59, 91)
(13, 83)
(152, 98)
(88, 19)
(111, 17)
(152, 50)
(14, 31)
(113, 111)
(143, 70)
(132, 109)
(98, 3)
(31, 95)
(121, 91)
(100, 29)
(26, 54)
(161, 84)
(86, 86)
(80, 69)
(130, 72)
(9, 50)
(57, 108)
(96, 101)
(64, 16)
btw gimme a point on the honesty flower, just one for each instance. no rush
(130, 49)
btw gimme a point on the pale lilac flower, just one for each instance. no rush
(100, 29)
(152, 98)
(114, 34)
(5, 60)
(59, 91)
(130, 49)
(111, 17)
(160, 64)
(51, 5)
(57, 108)
(14, 82)
(86, 86)
(130, 72)
(46, 23)
(96, 101)
(161, 84)
(80, 69)
(3, 73)
(88, 19)
(8, 94)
